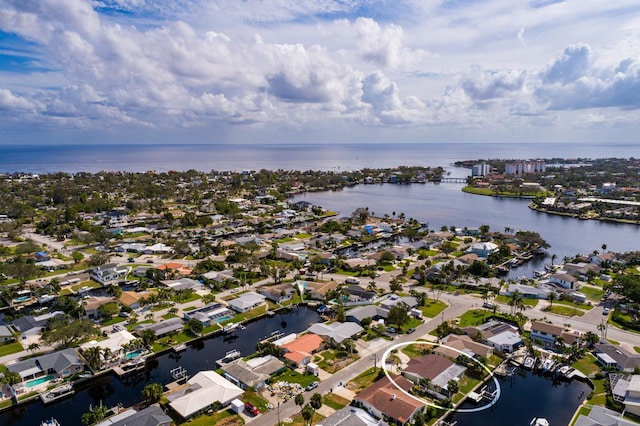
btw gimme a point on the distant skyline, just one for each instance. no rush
(321, 71)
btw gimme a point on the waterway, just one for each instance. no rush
(446, 205)
(201, 355)
(527, 395)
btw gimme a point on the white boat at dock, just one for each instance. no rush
(50, 422)
(179, 348)
(547, 365)
(529, 362)
(57, 393)
(539, 421)
(230, 327)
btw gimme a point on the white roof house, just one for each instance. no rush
(114, 342)
(205, 389)
(247, 301)
(337, 331)
(483, 249)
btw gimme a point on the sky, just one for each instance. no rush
(319, 71)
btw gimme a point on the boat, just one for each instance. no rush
(57, 393)
(539, 421)
(179, 348)
(539, 273)
(529, 362)
(548, 364)
(229, 327)
(50, 422)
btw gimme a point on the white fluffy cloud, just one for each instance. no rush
(290, 65)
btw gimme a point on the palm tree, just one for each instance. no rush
(551, 297)
(604, 248)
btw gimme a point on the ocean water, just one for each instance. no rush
(326, 157)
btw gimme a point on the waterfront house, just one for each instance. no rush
(336, 332)
(202, 392)
(109, 273)
(384, 401)
(351, 416)
(599, 259)
(526, 291)
(278, 293)
(150, 416)
(247, 301)
(299, 350)
(497, 334)
(318, 290)
(58, 364)
(437, 369)
(252, 373)
(132, 298)
(549, 334)
(632, 396)
(611, 356)
(161, 329)
(117, 344)
(600, 416)
(209, 314)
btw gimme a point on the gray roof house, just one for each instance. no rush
(352, 416)
(5, 334)
(394, 299)
(336, 332)
(614, 356)
(150, 416)
(182, 284)
(253, 373)
(247, 302)
(162, 328)
(29, 325)
(62, 363)
(368, 311)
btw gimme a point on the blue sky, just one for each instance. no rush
(231, 71)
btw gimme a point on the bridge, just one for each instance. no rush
(451, 180)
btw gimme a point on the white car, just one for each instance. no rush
(606, 311)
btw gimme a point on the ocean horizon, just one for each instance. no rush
(142, 157)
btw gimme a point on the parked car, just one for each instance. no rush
(411, 330)
(312, 386)
(606, 311)
(391, 330)
(251, 409)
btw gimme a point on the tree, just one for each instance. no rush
(63, 331)
(591, 338)
(307, 413)
(551, 297)
(10, 377)
(299, 400)
(398, 315)
(148, 337)
(99, 259)
(195, 327)
(152, 393)
(94, 415)
(33, 347)
(341, 315)
(77, 256)
(93, 357)
(452, 387)
(395, 285)
(109, 309)
(316, 401)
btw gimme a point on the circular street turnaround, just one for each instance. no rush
(427, 402)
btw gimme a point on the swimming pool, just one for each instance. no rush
(21, 299)
(224, 318)
(38, 381)
(134, 354)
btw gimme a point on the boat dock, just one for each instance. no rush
(57, 393)
(130, 367)
(229, 356)
(179, 348)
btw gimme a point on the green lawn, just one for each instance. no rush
(433, 308)
(297, 420)
(594, 294)
(10, 348)
(334, 401)
(169, 316)
(259, 402)
(587, 365)
(213, 419)
(569, 303)
(584, 411)
(529, 302)
(113, 320)
(292, 376)
(303, 235)
(364, 380)
(566, 311)
(473, 317)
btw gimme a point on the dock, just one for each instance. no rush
(229, 356)
(179, 348)
(57, 393)
(130, 367)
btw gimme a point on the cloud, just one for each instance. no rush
(482, 85)
(571, 66)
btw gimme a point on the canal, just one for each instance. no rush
(524, 396)
(200, 355)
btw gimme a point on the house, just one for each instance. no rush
(252, 373)
(483, 249)
(526, 291)
(383, 400)
(150, 416)
(463, 344)
(351, 416)
(300, 350)
(549, 334)
(208, 314)
(218, 276)
(564, 280)
(116, 343)
(158, 249)
(29, 325)
(203, 391)
(599, 259)
(161, 329)
(499, 335)
(182, 284)
(437, 369)
(92, 305)
(59, 364)
(337, 332)
(609, 355)
(109, 273)
(600, 416)
(632, 396)
(393, 299)
(132, 298)
(6, 335)
(247, 301)
(358, 294)
(373, 312)
(318, 290)
(175, 268)
(278, 293)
